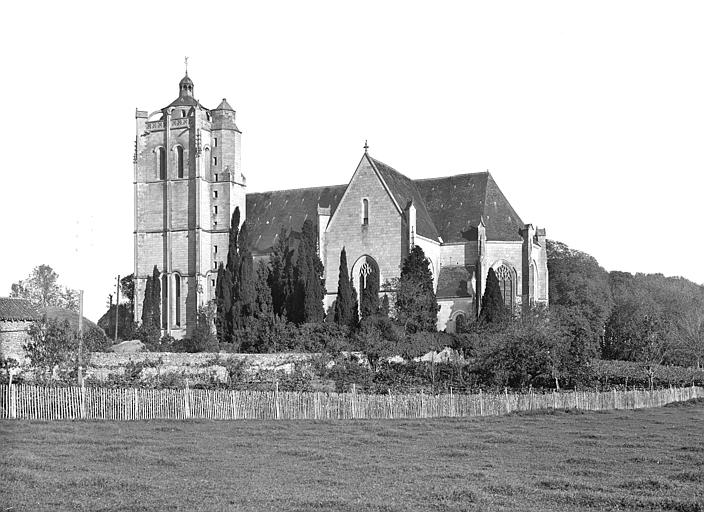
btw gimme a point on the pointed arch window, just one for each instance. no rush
(365, 212)
(505, 276)
(161, 162)
(179, 161)
(164, 300)
(177, 293)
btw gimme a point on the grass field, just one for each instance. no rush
(622, 460)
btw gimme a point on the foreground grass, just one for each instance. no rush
(624, 460)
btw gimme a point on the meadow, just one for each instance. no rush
(649, 459)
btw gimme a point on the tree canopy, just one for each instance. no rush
(416, 305)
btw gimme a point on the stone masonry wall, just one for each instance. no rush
(13, 336)
(380, 239)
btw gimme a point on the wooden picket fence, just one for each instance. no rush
(73, 403)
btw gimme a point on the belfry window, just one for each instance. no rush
(179, 161)
(365, 212)
(215, 161)
(504, 274)
(161, 163)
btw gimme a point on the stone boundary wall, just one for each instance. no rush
(196, 365)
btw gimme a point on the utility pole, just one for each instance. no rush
(117, 307)
(80, 337)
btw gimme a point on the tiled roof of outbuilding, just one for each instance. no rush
(455, 281)
(17, 310)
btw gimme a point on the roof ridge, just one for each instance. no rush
(296, 189)
(454, 176)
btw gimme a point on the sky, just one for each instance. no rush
(589, 115)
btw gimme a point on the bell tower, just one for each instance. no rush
(187, 183)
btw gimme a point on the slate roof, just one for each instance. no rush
(449, 207)
(268, 212)
(404, 190)
(17, 310)
(455, 281)
(224, 105)
(457, 203)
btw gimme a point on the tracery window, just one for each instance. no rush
(505, 276)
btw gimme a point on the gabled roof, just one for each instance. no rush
(268, 212)
(458, 203)
(449, 207)
(404, 191)
(455, 281)
(17, 310)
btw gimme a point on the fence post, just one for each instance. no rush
(452, 405)
(276, 401)
(481, 403)
(187, 402)
(508, 406)
(83, 399)
(11, 396)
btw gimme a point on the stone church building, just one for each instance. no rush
(188, 180)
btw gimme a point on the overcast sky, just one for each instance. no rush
(589, 115)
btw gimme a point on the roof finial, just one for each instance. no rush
(366, 146)
(186, 61)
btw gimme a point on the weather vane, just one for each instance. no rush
(186, 61)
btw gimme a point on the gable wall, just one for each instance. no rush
(381, 239)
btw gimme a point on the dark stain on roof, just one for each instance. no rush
(17, 310)
(455, 281)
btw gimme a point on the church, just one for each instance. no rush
(188, 181)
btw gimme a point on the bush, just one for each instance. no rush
(627, 373)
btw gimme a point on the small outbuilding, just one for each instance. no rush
(16, 315)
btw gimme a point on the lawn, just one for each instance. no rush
(619, 460)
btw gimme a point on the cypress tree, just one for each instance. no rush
(156, 299)
(263, 296)
(416, 304)
(312, 274)
(147, 312)
(223, 302)
(493, 308)
(354, 319)
(384, 308)
(370, 296)
(277, 261)
(246, 282)
(343, 303)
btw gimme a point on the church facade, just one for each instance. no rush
(188, 182)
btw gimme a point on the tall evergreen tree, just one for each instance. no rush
(223, 303)
(277, 262)
(344, 302)
(156, 299)
(385, 307)
(147, 308)
(493, 308)
(246, 282)
(369, 305)
(263, 307)
(354, 318)
(416, 304)
(311, 274)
